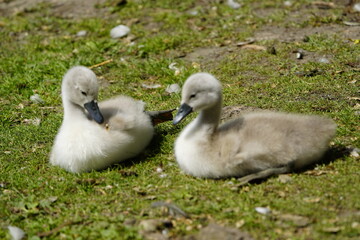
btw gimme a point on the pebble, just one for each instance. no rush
(119, 31)
(193, 12)
(324, 60)
(262, 210)
(150, 225)
(82, 33)
(355, 152)
(288, 3)
(173, 88)
(16, 233)
(233, 4)
(356, 7)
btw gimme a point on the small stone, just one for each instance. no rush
(193, 12)
(150, 225)
(81, 33)
(355, 152)
(324, 60)
(288, 3)
(16, 233)
(356, 7)
(299, 55)
(233, 4)
(355, 225)
(119, 31)
(173, 88)
(154, 225)
(263, 210)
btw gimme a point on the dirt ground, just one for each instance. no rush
(77, 9)
(62, 8)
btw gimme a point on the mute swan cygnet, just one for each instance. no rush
(94, 136)
(256, 145)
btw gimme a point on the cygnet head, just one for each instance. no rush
(80, 87)
(200, 92)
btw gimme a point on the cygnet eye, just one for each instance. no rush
(192, 95)
(83, 93)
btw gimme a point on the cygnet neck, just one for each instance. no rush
(72, 111)
(209, 118)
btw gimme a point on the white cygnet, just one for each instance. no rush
(94, 136)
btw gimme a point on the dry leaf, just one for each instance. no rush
(240, 223)
(150, 86)
(247, 42)
(35, 121)
(323, 5)
(316, 172)
(36, 99)
(347, 23)
(332, 229)
(353, 98)
(254, 47)
(312, 199)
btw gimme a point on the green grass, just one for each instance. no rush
(36, 50)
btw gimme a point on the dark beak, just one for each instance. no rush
(94, 111)
(184, 110)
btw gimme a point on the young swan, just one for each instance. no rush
(89, 139)
(256, 145)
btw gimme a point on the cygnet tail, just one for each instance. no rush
(158, 117)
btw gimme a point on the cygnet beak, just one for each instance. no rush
(94, 111)
(184, 110)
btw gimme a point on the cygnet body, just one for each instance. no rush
(256, 145)
(94, 136)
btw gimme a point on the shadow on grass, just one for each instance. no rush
(151, 150)
(331, 155)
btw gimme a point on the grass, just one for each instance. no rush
(36, 50)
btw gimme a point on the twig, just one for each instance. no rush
(58, 228)
(100, 64)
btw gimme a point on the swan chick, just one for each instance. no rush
(96, 135)
(255, 145)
